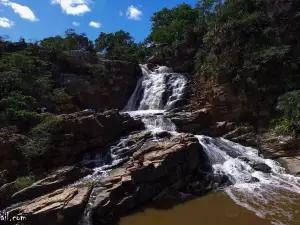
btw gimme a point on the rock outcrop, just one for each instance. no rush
(286, 149)
(78, 133)
(65, 143)
(56, 180)
(192, 122)
(159, 169)
(162, 166)
(62, 207)
(107, 91)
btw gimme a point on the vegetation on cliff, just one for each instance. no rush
(252, 45)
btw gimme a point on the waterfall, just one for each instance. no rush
(266, 193)
(157, 89)
(269, 195)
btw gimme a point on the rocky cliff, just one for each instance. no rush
(110, 89)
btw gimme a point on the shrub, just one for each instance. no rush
(289, 107)
(23, 182)
(283, 126)
(97, 70)
(49, 125)
(23, 119)
(41, 143)
(59, 96)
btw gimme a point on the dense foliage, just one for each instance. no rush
(121, 46)
(251, 44)
(289, 107)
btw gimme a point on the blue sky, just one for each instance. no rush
(36, 19)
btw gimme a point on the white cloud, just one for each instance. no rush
(73, 7)
(134, 13)
(6, 23)
(121, 13)
(76, 24)
(24, 11)
(95, 24)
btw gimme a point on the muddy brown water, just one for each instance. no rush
(213, 209)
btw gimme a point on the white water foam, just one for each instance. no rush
(274, 196)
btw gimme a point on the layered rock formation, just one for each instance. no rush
(166, 165)
(54, 181)
(64, 206)
(160, 168)
(65, 142)
(84, 131)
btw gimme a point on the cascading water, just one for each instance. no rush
(156, 91)
(268, 194)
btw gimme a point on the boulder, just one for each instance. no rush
(56, 180)
(262, 167)
(62, 207)
(192, 122)
(276, 146)
(163, 166)
(292, 164)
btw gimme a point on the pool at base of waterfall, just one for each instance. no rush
(214, 209)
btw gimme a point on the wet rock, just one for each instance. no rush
(292, 164)
(151, 66)
(192, 122)
(178, 103)
(274, 145)
(220, 180)
(64, 206)
(163, 134)
(56, 180)
(254, 180)
(245, 159)
(262, 167)
(164, 166)
(284, 148)
(197, 188)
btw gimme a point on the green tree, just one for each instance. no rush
(119, 45)
(170, 26)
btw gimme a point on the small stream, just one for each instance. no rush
(260, 197)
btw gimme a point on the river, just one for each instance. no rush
(213, 209)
